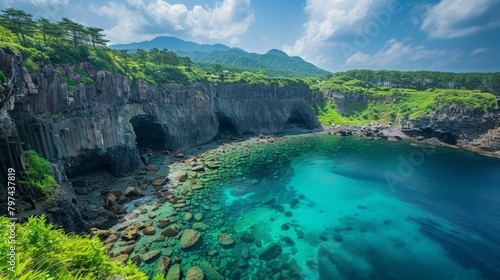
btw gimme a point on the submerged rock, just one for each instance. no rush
(150, 256)
(182, 177)
(225, 241)
(194, 273)
(199, 167)
(247, 237)
(271, 252)
(149, 231)
(200, 226)
(189, 238)
(210, 272)
(174, 273)
(198, 216)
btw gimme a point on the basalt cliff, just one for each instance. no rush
(458, 124)
(100, 125)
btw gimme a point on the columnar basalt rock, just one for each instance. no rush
(86, 126)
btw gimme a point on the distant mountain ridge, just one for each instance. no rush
(278, 62)
(171, 43)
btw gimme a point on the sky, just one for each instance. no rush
(336, 35)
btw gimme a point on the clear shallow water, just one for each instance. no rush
(359, 209)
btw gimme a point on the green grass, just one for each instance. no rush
(38, 173)
(43, 252)
(385, 104)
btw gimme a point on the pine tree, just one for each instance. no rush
(19, 22)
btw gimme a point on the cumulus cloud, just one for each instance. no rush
(44, 8)
(459, 18)
(396, 53)
(139, 19)
(331, 19)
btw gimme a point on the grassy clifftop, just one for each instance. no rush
(368, 103)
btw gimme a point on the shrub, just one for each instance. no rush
(87, 80)
(39, 173)
(43, 252)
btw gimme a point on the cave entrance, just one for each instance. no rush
(147, 133)
(447, 138)
(296, 120)
(88, 162)
(226, 127)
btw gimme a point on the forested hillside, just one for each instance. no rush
(274, 62)
(423, 80)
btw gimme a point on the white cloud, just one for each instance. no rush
(478, 51)
(139, 19)
(51, 9)
(397, 53)
(330, 19)
(459, 18)
(48, 2)
(234, 41)
(128, 23)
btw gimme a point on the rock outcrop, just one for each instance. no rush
(455, 125)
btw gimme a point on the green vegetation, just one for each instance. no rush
(423, 80)
(38, 173)
(44, 253)
(386, 104)
(275, 63)
(69, 42)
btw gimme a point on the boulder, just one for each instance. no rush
(149, 231)
(150, 256)
(181, 177)
(152, 167)
(163, 264)
(197, 187)
(121, 258)
(198, 216)
(127, 250)
(169, 232)
(130, 234)
(247, 237)
(189, 238)
(151, 215)
(194, 273)
(159, 182)
(198, 168)
(131, 192)
(174, 273)
(210, 272)
(200, 226)
(271, 252)
(162, 223)
(225, 241)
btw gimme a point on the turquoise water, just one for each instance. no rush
(351, 208)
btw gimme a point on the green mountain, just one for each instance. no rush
(170, 43)
(273, 63)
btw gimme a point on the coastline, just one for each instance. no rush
(395, 133)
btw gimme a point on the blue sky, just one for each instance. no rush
(337, 35)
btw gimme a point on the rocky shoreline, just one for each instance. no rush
(395, 133)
